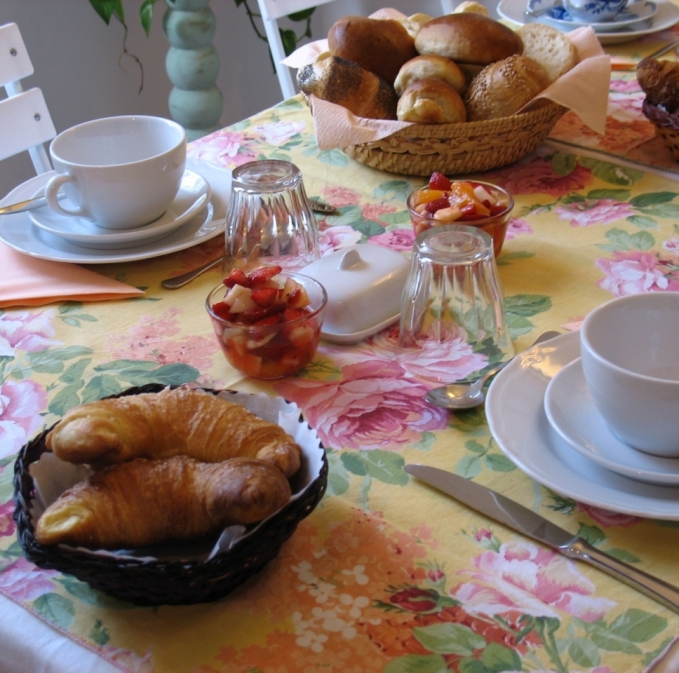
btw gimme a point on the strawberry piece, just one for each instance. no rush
(269, 320)
(221, 309)
(236, 277)
(437, 204)
(294, 314)
(498, 208)
(264, 296)
(263, 274)
(439, 181)
(255, 314)
(470, 213)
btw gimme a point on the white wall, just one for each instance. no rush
(84, 74)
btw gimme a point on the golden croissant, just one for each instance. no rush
(168, 423)
(142, 502)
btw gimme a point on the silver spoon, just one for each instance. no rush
(470, 395)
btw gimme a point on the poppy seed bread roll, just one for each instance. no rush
(431, 101)
(381, 46)
(345, 83)
(468, 38)
(503, 88)
(659, 80)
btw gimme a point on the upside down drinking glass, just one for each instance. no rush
(269, 218)
(453, 296)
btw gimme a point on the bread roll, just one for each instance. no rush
(143, 502)
(502, 88)
(550, 48)
(381, 46)
(173, 421)
(414, 22)
(348, 84)
(468, 38)
(660, 82)
(430, 66)
(471, 7)
(431, 101)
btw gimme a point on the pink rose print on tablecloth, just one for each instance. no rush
(23, 581)
(23, 331)
(158, 338)
(522, 576)
(635, 271)
(433, 361)
(279, 133)
(336, 238)
(341, 196)
(7, 524)
(538, 177)
(517, 227)
(371, 406)
(609, 519)
(398, 239)
(585, 213)
(223, 148)
(20, 405)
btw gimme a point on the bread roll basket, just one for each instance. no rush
(178, 573)
(466, 147)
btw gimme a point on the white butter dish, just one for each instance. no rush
(364, 284)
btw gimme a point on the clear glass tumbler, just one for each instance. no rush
(453, 297)
(269, 219)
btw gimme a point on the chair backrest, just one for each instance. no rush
(25, 121)
(272, 10)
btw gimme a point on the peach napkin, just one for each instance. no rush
(28, 281)
(584, 90)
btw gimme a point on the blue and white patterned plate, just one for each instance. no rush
(552, 11)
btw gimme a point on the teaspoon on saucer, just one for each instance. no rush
(470, 395)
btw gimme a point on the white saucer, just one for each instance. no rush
(573, 414)
(517, 420)
(666, 16)
(193, 195)
(17, 232)
(556, 14)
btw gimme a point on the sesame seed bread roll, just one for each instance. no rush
(468, 38)
(503, 88)
(430, 66)
(431, 101)
(471, 7)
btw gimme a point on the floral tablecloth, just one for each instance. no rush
(385, 575)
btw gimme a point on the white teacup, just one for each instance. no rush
(630, 359)
(594, 11)
(120, 172)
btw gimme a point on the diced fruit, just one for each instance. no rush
(264, 296)
(263, 274)
(236, 277)
(439, 181)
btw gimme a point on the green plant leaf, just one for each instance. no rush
(669, 211)
(617, 175)
(584, 653)
(563, 164)
(65, 399)
(643, 222)
(100, 386)
(74, 373)
(338, 476)
(385, 466)
(353, 462)
(497, 658)
(468, 467)
(289, 40)
(621, 240)
(140, 372)
(398, 189)
(623, 555)
(449, 638)
(303, 15)
(55, 609)
(146, 15)
(498, 462)
(615, 194)
(592, 534)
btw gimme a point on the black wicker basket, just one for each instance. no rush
(156, 581)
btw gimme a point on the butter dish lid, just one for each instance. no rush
(364, 283)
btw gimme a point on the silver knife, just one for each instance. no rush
(30, 204)
(523, 520)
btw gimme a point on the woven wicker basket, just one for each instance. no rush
(422, 149)
(666, 124)
(158, 581)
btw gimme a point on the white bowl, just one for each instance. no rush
(630, 358)
(364, 283)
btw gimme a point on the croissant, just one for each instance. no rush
(142, 502)
(168, 423)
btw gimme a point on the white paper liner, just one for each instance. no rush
(53, 476)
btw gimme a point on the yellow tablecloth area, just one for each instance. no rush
(386, 574)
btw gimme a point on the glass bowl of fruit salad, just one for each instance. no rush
(471, 202)
(268, 323)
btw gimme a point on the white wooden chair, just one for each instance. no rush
(272, 10)
(25, 121)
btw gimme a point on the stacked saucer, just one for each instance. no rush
(559, 439)
(191, 199)
(636, 16)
